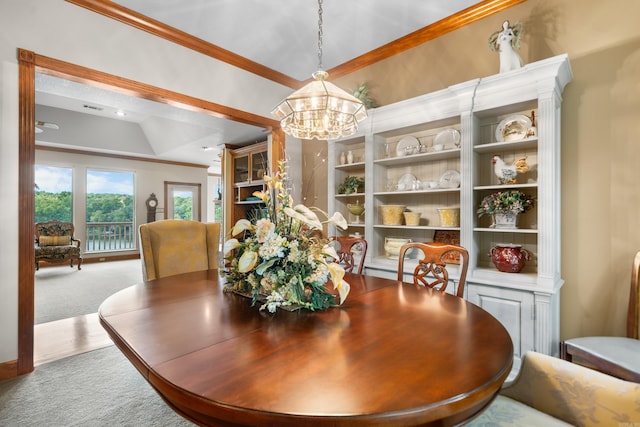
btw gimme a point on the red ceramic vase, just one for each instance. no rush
(509, 258)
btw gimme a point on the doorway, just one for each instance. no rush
(182, 200)
(28, 64)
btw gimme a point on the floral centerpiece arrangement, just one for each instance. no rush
(282, 259)
(506, 201)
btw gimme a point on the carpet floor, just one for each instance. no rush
(62, 292)
(94, 389)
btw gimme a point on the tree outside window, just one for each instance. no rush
(53, 193)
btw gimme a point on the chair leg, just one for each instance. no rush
(79, 263)
(564, 355)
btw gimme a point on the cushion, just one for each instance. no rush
(621, 351)
(508, 412)
(54, 240)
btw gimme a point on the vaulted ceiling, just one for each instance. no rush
(276, 40)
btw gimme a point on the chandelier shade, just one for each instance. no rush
(320, 110)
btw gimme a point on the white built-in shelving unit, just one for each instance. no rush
(527, 303)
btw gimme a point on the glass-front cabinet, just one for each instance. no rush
(428, 164)
(248, 166)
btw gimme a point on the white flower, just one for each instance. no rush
(230, 245)
(339, 221)
(337, 273)
(273, 247)
(241, 225)
(330, 251)
(247, 261)
(264, 229)
(304, 215)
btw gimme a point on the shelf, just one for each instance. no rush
(248, 184)
(361, 225)
(400, 193)
(505, 186)
(507, 230)
(417, 158)
(510, 145)
(249, 202)
(350, 166)
(416, 227)
(349, 195)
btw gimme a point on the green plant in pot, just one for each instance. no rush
(351, 184)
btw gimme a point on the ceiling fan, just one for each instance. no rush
(48, 125)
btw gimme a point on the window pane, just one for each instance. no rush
(53, 193)
(182, 204)
(109, 211)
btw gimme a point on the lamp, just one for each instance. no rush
(320, 109)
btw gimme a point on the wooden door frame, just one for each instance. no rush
(28, 64)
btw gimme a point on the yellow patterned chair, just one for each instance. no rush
(175, 246)
(54, 242)
(554, 392)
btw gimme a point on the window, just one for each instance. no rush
(53, 193)
(214, 214)
(110, 211)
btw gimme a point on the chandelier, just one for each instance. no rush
(320, 109)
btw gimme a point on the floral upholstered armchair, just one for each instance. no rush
(55, 243)
(553, 392)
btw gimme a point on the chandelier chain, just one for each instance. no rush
(319, 34)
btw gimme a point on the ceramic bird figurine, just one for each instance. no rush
(507, 173)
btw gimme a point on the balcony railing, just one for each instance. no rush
(110, 236)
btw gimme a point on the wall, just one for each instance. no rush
(601, 124)
(149, 178)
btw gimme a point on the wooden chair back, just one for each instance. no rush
(175, 246)
(346, 255)
(633, 313)
(431, 270)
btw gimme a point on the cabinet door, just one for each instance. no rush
(259, 165)
(241, 169)
(514, 309)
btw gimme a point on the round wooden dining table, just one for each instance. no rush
(393, 354)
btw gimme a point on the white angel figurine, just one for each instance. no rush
(507, 41)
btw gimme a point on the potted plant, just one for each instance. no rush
(505, 206)
(351, 184)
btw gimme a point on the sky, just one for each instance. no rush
(56, 179)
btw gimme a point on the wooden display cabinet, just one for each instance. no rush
(247, 167)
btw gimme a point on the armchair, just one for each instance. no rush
(54, 242)
(549, 391)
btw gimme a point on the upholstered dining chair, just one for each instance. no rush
(616, 356)
(431, 270)
(175, 246)
(345, 248)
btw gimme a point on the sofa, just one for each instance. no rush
(55, 243)
(552, 392)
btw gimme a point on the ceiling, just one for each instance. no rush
(277, 39)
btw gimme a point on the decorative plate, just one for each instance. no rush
(404, 143)
(450, 179)
(513, 128)
(406, 182)
(448, 137)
